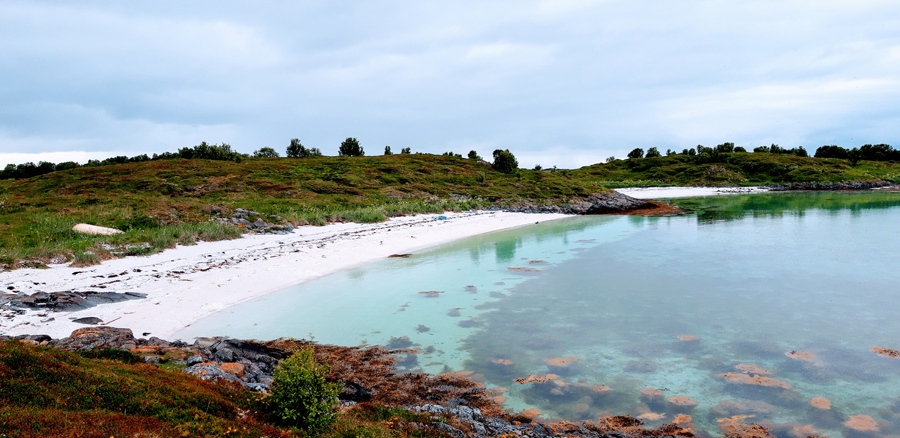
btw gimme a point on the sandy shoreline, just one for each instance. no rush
(188, 283)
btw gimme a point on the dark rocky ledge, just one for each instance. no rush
(598, 203)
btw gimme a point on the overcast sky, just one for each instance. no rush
(564, 83)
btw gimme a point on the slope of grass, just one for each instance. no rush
(53, 393)
(161, 203)
(739, 168)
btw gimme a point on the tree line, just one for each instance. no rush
(702, 154)
(504, 160)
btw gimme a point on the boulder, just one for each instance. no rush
(98, 338)
(210, 371)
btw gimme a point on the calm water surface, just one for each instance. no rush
(604, 303)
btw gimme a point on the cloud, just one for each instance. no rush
(571, 81)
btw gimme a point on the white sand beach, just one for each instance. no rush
(188, 283)
(191, 282)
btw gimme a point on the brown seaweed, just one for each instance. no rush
(747, 379)
(820, 403)
(862, 423)
(886, 352)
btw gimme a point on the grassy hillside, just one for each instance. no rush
(54, 393)
(734, 169)
(161, 203)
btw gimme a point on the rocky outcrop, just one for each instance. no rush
(254, 221)
(598, 203)
(66, 301)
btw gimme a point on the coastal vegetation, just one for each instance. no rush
(55, 393)
(189, 195)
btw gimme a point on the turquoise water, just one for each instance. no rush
(753, 277)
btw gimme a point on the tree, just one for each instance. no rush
(295, 150)
(505, 161)
(610, 159)
(725, 148)
(387, 150)
(265, 153)
(538, 167)
(474, 155)
(636, 153)
(405, 151)
(301, 394)
(351, 148)
(653, 153)
(854, 156)
(740, 149)
(832, 151)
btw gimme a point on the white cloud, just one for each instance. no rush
(570, 81)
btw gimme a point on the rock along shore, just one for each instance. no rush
(459, 407)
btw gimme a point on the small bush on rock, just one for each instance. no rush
(301, 396)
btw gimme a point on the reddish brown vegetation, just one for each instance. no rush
(886, 352)
(802, 355)
(537, 379)
(561, 361)
(862, 423)
(756, 380)
(820, 403)
(659, 209)
(688, 338)
(752, 369)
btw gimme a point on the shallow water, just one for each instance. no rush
(752, 277)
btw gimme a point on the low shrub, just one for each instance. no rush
(301, 396)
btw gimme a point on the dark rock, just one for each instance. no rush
(598, 203)
(70, 301)
(97, 338)
(90, 320)
(210, 371)
(448, 429)
(354, 392)
(35, 338)
(194, 360)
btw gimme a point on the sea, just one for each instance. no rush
(769, 308)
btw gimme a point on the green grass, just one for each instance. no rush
(736, 169)
(160, 204)
(163, 203)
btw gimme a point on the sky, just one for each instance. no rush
(566, 82)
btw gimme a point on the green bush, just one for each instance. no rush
(301, 396)
(505, 161)
(351, 148)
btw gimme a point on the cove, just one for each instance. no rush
(759, 305)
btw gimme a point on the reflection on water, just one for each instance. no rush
(764, 305)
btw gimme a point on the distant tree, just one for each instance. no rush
(653, 153)
(538, 167)
(670, 152)
(761, 150)
(740, 149)
(405, 151)
(387, 150)
(636, 153)
(265, 153)
(800, 152)
(854, 156)
(474, 155)
(351, 148)
(610, 159)
(725, 148)
(295, 149)
(505, 161)
(832, 151)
